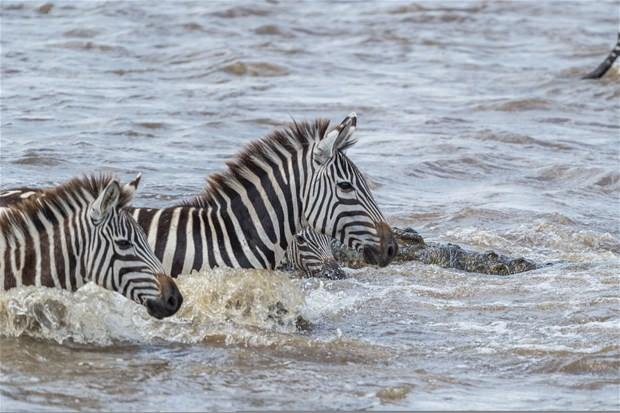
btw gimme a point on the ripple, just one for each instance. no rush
(518, 139)
(576, 177)
(236, 12)
(609, 181)
(255, 69)
(516, 105)
(35, 118)
(38, 158)
(605, 361)
(81, 33)
(269, 29)
(417, 8)
(151, 125)
(12, 6)
(459, 167)
(90, 46)
(193, 27)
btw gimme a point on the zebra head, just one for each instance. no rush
(311, 254)
(121, 258)
(339, 202)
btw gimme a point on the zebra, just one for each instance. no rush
(606, 64)
(247, 216)
(311, 254)
(80, 231)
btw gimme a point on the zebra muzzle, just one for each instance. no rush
(170, 300)
(383, 253)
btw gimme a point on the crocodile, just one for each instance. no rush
(412, 247)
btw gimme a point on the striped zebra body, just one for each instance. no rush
(183, 238)
(311, 254)
(247, 216)
(189, 238)
(79, 232)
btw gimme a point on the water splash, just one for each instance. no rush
(230, 306)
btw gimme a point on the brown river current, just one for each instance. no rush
(474, 128)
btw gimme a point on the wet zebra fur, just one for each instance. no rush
(78, 232)
(247, 216)
(311, 255)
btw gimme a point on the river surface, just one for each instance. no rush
(474, 128)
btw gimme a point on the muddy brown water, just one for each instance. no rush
(474, 128)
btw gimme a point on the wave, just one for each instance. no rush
(550, 236)
(258, 69)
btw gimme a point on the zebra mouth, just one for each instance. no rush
(380, 256)
(168, 303)
(383, 253)
(371, 256)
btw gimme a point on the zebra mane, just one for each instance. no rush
(49, 200)
(293, 138)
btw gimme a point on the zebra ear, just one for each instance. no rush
(337, 139)
(131, 187)
(106, 201)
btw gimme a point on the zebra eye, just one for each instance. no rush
(345, 186)
(300, 240)
(123, 244)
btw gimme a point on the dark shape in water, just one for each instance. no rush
(412, 247)
(277, 311)
(607, 63)
(45, 8)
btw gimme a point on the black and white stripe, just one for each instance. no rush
(247, 216)
(607, 63)
(79, 232)
(311, 254)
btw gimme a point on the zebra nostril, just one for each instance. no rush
(390, 251)
(172, 302)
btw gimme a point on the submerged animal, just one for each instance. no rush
(78, 232)
(311, 255)
(412, 247)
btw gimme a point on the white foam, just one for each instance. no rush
(247, 306)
